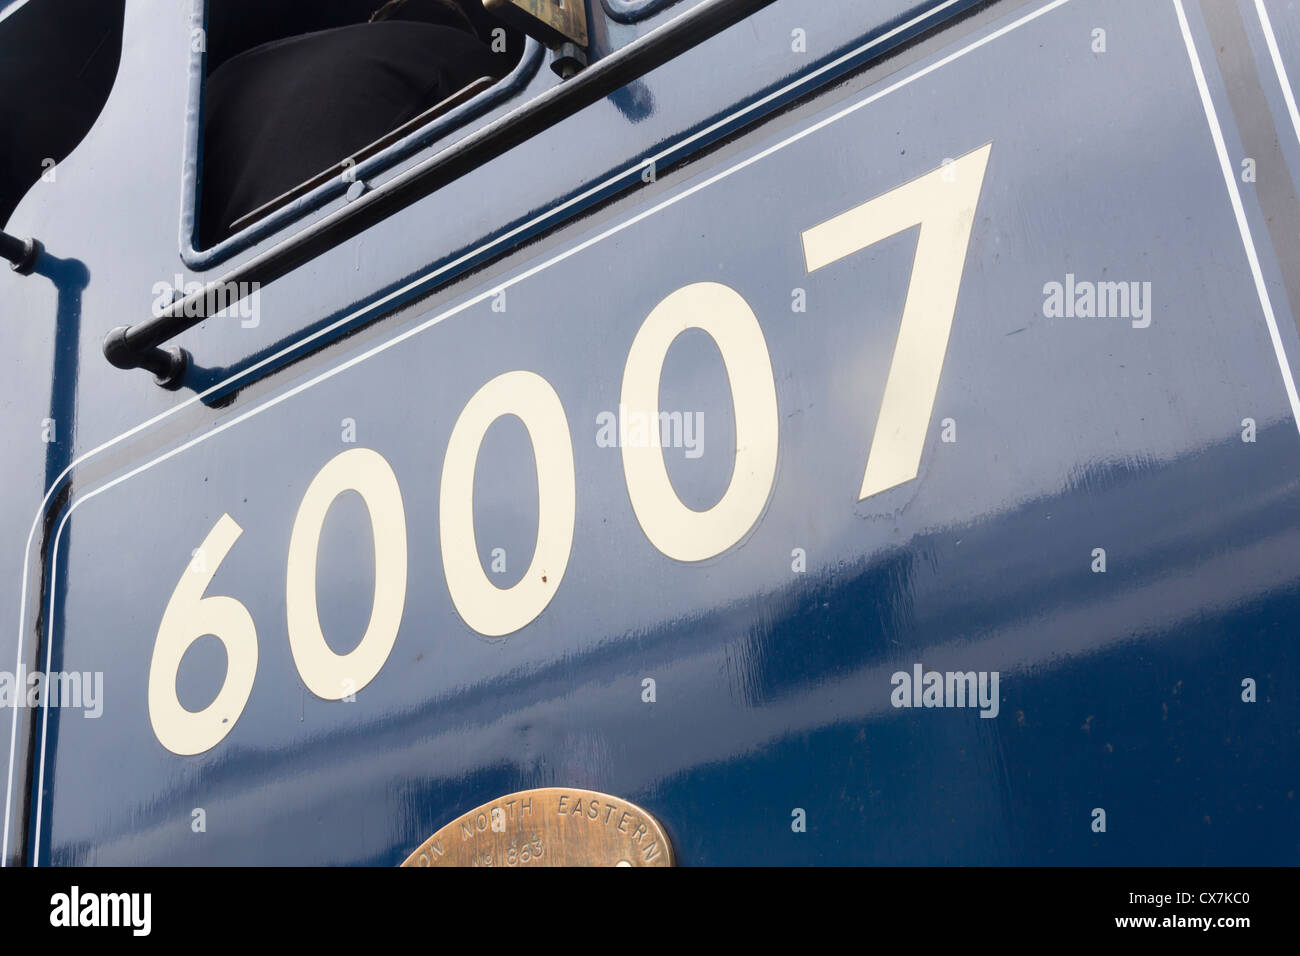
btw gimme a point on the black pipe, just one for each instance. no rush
(136, 346)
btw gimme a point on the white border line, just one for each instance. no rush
(1271, 40)
(483, 296)
(1238, 210)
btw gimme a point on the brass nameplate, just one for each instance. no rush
(551, 826)
(551, 21)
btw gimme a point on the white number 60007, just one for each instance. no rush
(942, 202)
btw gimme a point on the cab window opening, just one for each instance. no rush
(295, 95)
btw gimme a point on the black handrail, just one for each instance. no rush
(21, 253)
(137, 346)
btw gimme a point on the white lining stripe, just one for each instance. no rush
(1271, 40)
(1239, 211)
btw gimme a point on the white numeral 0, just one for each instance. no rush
(189, 616)
(676, 530)
(491, 610)
(327, 674)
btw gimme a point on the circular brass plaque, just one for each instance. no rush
(551, 826)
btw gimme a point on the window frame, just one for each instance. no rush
(631, 11)
(302, 210)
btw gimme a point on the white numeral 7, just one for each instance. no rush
(943, 203)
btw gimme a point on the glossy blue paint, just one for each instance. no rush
(1118, 690)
